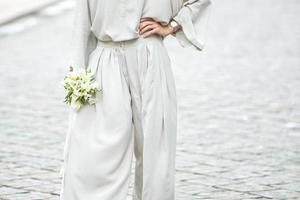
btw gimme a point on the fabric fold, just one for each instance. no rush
(193, 18)
(66, 150)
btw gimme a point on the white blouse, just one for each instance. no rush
(118, 20)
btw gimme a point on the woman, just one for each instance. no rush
(122, 42)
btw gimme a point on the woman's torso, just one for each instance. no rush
(118, 20)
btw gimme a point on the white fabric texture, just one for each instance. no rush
(193, 18)
(135, 112)
(118, 20)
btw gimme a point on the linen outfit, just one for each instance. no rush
(136, 111)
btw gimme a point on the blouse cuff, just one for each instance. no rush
(193, 19)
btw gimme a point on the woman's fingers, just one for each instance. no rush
(146, 19)
(147, 28)
(151, 32)
(144, 24)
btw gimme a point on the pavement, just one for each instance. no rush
(238, 105)
(13, 9)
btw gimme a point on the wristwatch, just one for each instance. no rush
(174, 25)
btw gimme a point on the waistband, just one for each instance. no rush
(131, 42)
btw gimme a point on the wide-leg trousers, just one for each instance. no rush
(135, 114)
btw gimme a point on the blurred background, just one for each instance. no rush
(238, 101)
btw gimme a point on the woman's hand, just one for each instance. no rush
(149, 26)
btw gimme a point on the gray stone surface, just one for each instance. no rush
(12, 9)
(238, 103)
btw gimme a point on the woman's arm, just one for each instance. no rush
(83, 41)
(192, 21)
(193, 18)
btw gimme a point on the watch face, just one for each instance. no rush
(173, 24)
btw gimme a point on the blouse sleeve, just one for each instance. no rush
(193, 17)
(83, 40)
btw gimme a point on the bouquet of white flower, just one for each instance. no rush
(81, 88)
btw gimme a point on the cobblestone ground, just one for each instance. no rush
(239, 106)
